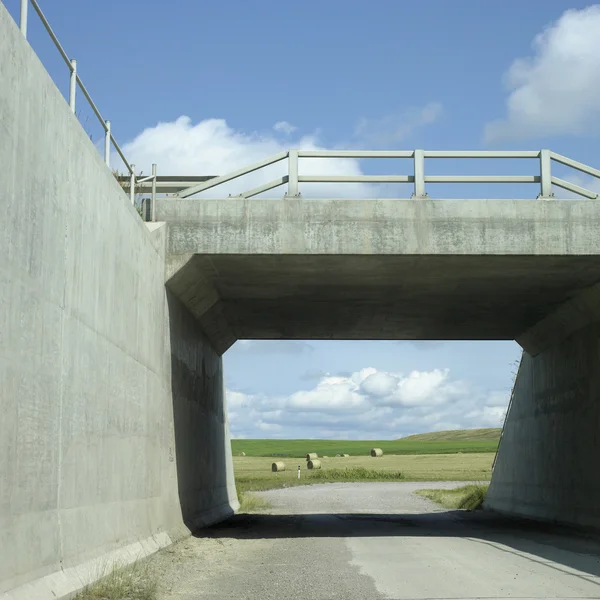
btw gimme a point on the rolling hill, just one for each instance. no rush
(441, 442)
(457, 435)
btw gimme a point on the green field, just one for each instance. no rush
(462, 455)
(254, 473)
(299, 448)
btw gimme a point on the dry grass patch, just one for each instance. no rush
(467, 497)
(249, 502)
(133, 582)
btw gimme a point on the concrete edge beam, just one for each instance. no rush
(381, 226)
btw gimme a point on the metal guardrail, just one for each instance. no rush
(75, 80)
(418, 177)
(165, 184)
(185, 187)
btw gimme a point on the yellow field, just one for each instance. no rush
(254, 472)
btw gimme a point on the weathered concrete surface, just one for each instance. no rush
(199, 420)
(380, 269)
(547, 462)
(376, 297)
(381, 227)
(103, 379)
(578, 311)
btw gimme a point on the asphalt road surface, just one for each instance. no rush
(368, 541)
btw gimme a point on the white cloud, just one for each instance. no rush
(212, 147)
(380, 384)
(368, 404)
(557, 90)
(417, 388)
(236, 399)
(496, 399)
(488, 416)
(284, 127)
(426, 388)
(330, 393)
(395, 128)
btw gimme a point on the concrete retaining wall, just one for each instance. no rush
(112, 427)
(547, 463)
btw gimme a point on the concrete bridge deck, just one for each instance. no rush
(377, 269)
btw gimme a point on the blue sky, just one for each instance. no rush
(207, 87)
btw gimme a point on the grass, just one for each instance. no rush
(299, 448)
(356, 474)
(133, 582)
(251, 503)
(254, 473)
(491, 434)
(467, 497)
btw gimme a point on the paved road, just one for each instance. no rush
(378, 541)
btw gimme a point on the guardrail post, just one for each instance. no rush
(292, 173)
(153, 205)
(132, 185)
(107, 143)
(419, 160)
(545, 174)
(73, 84)
(23, 21)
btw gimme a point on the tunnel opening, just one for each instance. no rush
(342, 400)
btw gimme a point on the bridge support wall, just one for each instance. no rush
(113, 434)
(547, 461)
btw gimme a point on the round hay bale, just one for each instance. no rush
(326, 457)
(376, 452)
(345, 455)
(314, 464)
(339, 455)
(312, 456)
(242, 454)
(278, 466)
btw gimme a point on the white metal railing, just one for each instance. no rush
(74, 81)
(418, 177)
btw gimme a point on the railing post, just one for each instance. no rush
(545, 174)
(73, 85)
(292, 173)
(132, 185)
(419, 160)
(23, 22)
(153, 205)
(107, 143)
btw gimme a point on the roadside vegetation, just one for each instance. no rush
(249, 502)
(356, 474)
(467, 497)
(133, 582)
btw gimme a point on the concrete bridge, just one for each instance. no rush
(114, 439)
(379, 269)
